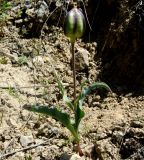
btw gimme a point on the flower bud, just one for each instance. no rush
(74, 25)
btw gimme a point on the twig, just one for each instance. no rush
(37, 86)
(23, 149)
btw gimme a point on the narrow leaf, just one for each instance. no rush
(88, 90)
(62, 117)
(78, 103)
(78, 116)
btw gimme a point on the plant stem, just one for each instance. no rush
(79, 149)
(74, 72)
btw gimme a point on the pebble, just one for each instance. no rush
(82, 59)
(38, 60)
(137, 124)
(97, 98)
(26, 140)
(97, 104)
(76, 157)
(71, 157)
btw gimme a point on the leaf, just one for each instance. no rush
(62, 117)
(88, 90)
(79, 114)
(78, 103)
(63, 92)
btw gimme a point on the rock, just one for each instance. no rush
(95, 104)
(137, 124)
(66, 156)
(6, 144)
(19, 21)
(26, 140)
(38, 61)
(81, 58)
(76, 157)
(97, 98)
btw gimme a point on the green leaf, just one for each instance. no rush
(88, 90)
(62, 117)
(63, 92)
(79, 114)
(78, 103)
(68, 102)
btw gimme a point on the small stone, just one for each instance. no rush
(75, 157)
(18, 21)
(97, 104)
(82, 59)
(6, 144)
(137, 124)
(26, 140)
(38, 60)
(66, 156)
(97, 98)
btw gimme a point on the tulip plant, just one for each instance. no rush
(73, 28)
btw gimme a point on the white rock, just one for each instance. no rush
(71, 157)
(38, 60)
(76, 157)
(26, 140)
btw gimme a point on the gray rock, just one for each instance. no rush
(82, 59)
(71, 157)
(26, 140)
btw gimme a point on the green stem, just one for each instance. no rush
(74, 72)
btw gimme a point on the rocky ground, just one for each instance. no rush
(113, 127)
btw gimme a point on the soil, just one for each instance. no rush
(113, 127)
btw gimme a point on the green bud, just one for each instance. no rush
(74, 25)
